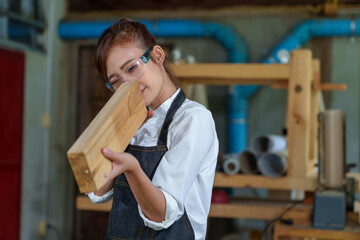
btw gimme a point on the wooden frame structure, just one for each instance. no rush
(302, 79)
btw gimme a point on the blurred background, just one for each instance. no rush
(51, 89)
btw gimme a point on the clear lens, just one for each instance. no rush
(132, 73)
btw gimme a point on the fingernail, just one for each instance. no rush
(105, 151)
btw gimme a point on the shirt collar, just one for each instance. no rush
(164, 107)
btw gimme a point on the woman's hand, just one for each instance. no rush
(150, 198)
(120, 163)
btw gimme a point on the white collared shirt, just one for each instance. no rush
(185, 174)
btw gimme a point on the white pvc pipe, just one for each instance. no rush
(269, 144)
(231, 164)
(272, 164)
(248, 162)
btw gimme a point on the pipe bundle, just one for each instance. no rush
(268, 157)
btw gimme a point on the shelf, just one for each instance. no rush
(276, 75)
(249, 208)
(259, 181)
(267, 209)
(281, 183)
(228, 74)
(261, 209)
(351, 232)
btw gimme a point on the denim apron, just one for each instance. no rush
(124, 220)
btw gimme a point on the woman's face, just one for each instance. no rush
(151, 82)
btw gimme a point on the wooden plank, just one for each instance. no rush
(282, 183)
(232, 81)
(250, 208)
(224, 74)
(259, 181)
(331, 87)
(299, 121)
(320, 87)
(113, 127)
(83, 203)
(262, 210)
(314, 111)
(331, 8)
(349, 233)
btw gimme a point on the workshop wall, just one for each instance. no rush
(261, 30)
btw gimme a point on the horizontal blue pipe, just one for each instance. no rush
(235, 47)
(224, 34)
(308, 29)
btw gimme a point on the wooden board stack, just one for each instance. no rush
(113, 127)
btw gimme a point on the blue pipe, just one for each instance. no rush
(304, 31)
(301, 34)
(17, 30)
(224, 34)
(236, 47)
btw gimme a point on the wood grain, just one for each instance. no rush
(113, 127)
(299, 113)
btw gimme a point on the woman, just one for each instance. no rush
(161, 185)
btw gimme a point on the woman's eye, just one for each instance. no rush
(132, 68)
(114, 81)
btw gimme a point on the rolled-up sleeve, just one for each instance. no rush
(171, 210)
(192, 149)
(101, 199)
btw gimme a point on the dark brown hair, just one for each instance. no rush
(126, 31)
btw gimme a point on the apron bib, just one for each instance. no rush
(124, 220)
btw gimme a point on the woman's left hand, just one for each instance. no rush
(151, 199)
(121, 162)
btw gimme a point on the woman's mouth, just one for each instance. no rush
(142, 91)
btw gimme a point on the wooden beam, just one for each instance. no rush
(263, 210)
(259, 181)
(232, 81)
(319, 87)
(299, 120)
(349, 232)
(314, 111)
(281, 183)
(113, 127)
(331, 87)
(226, 74)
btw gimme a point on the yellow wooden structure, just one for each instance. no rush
(301, 78)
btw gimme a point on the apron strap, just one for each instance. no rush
(180, 98)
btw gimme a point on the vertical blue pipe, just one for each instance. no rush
(238, 105)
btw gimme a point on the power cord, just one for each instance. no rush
(279, 218)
